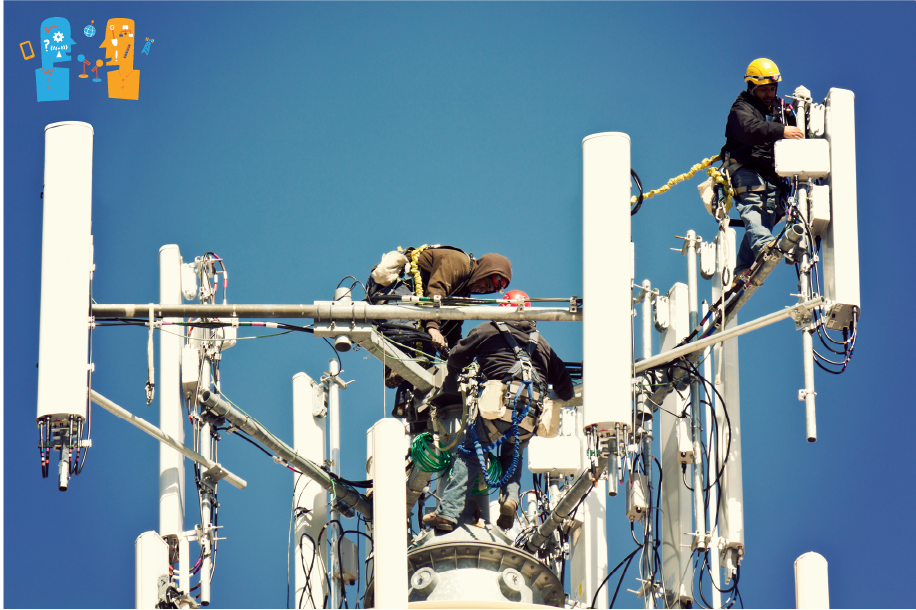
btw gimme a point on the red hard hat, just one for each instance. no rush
(514, 295)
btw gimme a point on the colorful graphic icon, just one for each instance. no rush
(86, 62)
(147, 46)
(31, 51)
(98, 64)
(89, 30)
(123, 81)
(53, 84)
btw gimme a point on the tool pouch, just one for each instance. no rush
(492, 401)
(549, 421)
(709, 195)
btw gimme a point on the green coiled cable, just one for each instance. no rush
(422, 454)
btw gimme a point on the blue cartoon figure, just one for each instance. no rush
(53, 83)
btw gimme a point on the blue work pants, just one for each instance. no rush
(457, 489)
(760, 210)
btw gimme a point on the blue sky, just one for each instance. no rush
(300, 141)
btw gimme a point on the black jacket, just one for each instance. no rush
(750, 137)
(495, 357)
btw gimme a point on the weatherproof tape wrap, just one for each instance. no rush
(607, 270)
(63, 343)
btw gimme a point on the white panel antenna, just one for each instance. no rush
(66, 275)
(841, 240)
(606, 235)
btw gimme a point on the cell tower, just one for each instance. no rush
(659, 435)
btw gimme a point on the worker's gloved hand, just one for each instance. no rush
(792, 133)
(438, 340)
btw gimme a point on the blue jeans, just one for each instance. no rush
(759, 210)
(456, 492)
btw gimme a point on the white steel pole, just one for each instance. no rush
(171, 419)
(358, 311)
(647, 320)
(334, 424)
(712, 471)
(675, 501)
(731, 488)
(731, 331)
(156, 433)
(184, 564)
(309, 442)
(811, 586)
(648, 566)
(204, 538)
(699, 515)
(606, 287)
(389, 489)
(588, 545)
(804, 289)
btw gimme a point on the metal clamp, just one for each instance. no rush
(213, 475)
(643, 293)
(327, 379)
(803, 394)
(688, 242)
(801, 314)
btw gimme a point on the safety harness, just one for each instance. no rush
(410, 275)
(529, 386)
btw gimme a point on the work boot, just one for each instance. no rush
(440, 523)
(392, 379)
(507, 511)
(402, 399)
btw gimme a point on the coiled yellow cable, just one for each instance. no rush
(667, 187)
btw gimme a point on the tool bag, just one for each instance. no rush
(522, 382)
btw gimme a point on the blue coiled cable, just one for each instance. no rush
(512, 432)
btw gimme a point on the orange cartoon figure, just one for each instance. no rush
(123, 81)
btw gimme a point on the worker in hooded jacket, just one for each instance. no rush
(757, 119)
(445, 271)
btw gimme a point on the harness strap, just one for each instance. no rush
(750, 189)
(524, 363)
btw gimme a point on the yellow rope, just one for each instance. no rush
(415, 269)
(693, 170)
(417, 279)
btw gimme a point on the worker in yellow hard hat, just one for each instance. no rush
(757, 119)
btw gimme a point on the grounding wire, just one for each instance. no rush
(308, 578)
(247, 438)
(611, 573)
(728, 446)
(622, 575)
(641, 197)
(293, 510)
(355, 282)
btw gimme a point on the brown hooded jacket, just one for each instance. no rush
(450, 273)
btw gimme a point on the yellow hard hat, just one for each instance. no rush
(762, 72)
